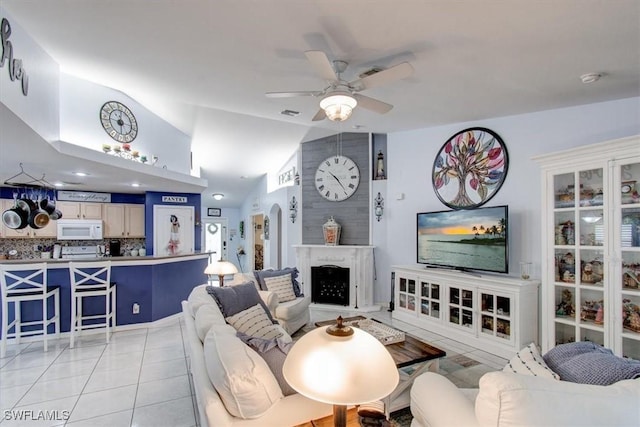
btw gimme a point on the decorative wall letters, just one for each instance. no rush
(16, 70)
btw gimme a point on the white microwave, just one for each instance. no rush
(79, 229)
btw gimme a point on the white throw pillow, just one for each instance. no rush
(282, 286)
(207, 316)
(240, 376)
(254, 322)
(529, 361)
(199, 297)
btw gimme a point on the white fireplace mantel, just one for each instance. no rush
(358, 258)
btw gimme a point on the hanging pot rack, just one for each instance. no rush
(29, 181)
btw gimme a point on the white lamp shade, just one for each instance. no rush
(338, 106)
(340, 370)
(221, 268)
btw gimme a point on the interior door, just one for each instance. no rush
(173, 230)
(215, 237)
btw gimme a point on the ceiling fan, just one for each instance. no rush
(340, 97)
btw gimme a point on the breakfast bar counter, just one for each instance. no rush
(157, 284)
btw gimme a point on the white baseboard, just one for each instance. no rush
(121, 328)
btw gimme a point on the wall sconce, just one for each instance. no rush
(378, 206)
(293, 209)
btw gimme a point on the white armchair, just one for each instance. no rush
(292, 315)
(509, 399)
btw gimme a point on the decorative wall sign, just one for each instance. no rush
(174, 199)
(214, 212)
(14, 65)
(83, 196)
(470, 168)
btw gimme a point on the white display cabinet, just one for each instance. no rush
(591, 246)
(494, 313)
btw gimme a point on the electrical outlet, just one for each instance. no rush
(136, 308)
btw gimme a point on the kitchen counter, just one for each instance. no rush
(157, 284)
(118, 260)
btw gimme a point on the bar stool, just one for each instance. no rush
(27, 282)
(91, 279)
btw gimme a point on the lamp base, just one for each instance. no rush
(339, 415)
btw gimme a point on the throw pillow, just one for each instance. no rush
(254, 322)
(234, 299)
(589, 363)
(261, 274)
(241, 377)
(282, 286)
(273, 351)
(528, 361)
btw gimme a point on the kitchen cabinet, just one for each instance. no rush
(495, 313)
(591, 246)
(123, 220)
(6, 232)
(80, 210)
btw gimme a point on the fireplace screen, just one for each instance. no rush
(330, 285)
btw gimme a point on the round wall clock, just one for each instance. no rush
(337, 178)
(470, 168)
(118, 121)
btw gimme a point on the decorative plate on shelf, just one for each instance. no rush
(470, 168)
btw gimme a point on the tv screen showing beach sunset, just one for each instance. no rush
(466, 239)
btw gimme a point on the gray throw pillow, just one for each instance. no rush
(234, 299)
(273, 351)
(587, 363)
(261, 274)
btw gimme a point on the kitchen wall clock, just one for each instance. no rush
(118, 121)
(337, 178)
(470, 168)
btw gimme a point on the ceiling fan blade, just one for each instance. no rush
(397, 72)
(322, 65)
(292, 94)
(372, 104)
(320, 115)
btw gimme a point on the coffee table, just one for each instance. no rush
(412, 357)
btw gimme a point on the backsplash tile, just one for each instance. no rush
(25, 247)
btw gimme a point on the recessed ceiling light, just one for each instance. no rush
(135, 185)
(590, 77)
(59, 184)
(80, 174)
(218, 196)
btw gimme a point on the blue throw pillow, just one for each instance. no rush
(261, 274)
(234, 299)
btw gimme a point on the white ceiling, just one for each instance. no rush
(205, 65)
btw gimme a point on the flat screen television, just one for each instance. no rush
(474, 239)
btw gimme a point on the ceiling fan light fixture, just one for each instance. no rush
(338, 106)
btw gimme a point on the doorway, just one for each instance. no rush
(257, 222)
(215, 237)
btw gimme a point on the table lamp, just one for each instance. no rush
(220, 268)
(342, 366)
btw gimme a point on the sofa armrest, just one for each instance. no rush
(270, 299)
(436, 402)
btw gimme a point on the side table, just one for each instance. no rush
(352, 420)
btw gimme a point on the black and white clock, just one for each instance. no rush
(337, 178)
(118, 121)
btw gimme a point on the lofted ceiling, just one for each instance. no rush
(204, 65)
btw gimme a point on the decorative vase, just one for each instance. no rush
(331, 230)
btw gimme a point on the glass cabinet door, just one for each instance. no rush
(628, 280)
(407, 293)
(430, 299)
(461, 307)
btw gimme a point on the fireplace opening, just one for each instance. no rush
(330, 285)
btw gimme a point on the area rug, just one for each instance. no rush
(401, 418)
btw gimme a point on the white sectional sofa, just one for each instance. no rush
(246, 386)
(508, 399)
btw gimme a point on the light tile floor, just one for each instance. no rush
(140, 378)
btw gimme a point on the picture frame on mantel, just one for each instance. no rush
(214, 212)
